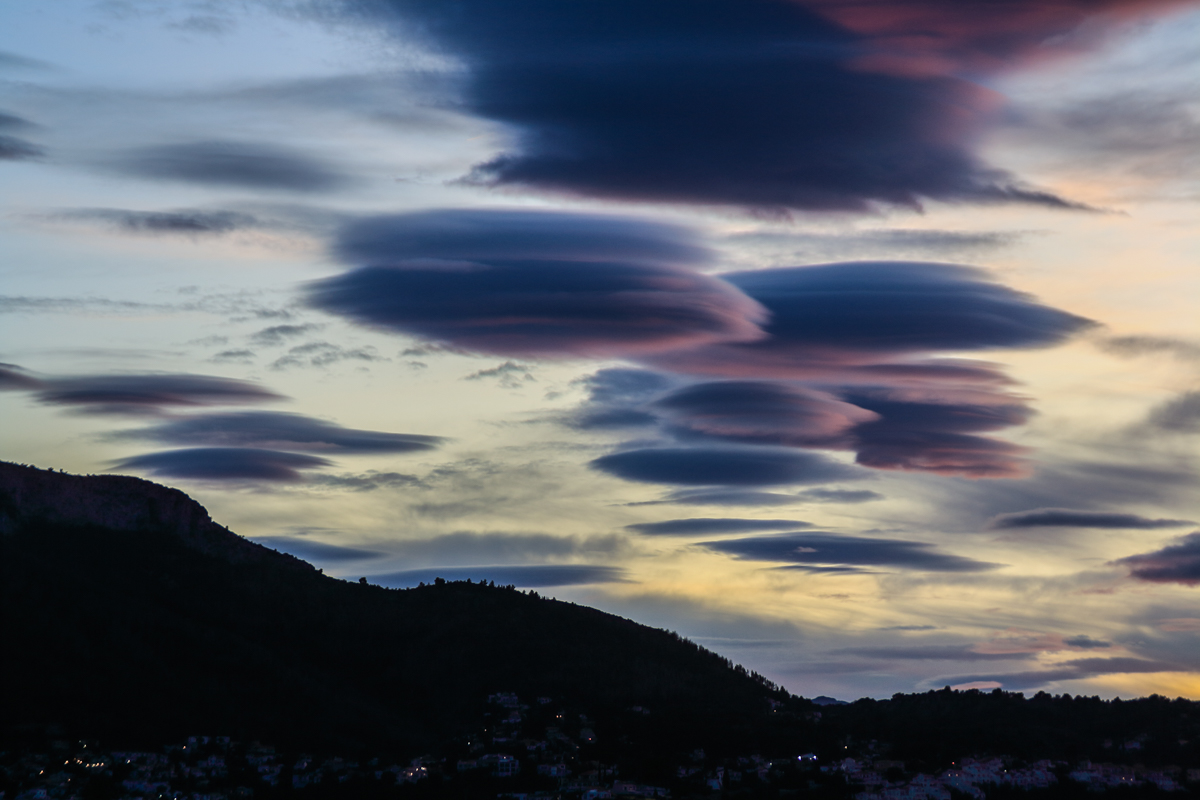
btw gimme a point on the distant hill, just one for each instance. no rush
(128, 613)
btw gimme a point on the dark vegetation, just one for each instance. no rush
(141, 637)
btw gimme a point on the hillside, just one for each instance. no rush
(128, 613)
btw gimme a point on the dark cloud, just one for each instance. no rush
(821, 550)
(812, 247)
(1175, 563)
(532, 283)
(146, 393)
(924, 37)
(745, 497)
(11, 122)
(14, 378)
(761, 412)
(890, 306)
(277, 334)
(14, 61)
(249, 165)
(1178, 415)
(706, 525)
(509, 375)
(938, 437)
(1086, 642)
(14, 148)
(723, 466)
(310, 550)
(1136, 346)
(930, 653)
(1065, 517)
(189, 222)
(531, 576)
(235, 356)
(368, 481)
(868, 334)
(819, 495)
(851, 322)
(277, 430)
(225, 464)
(1067, 671)
(615, 397)
(505, 548)
(756, 103)
(323, 354)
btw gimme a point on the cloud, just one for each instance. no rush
(310, 550)
(1136, 346)
(933, 37)
(1178, 415)
(756, 103)
(368, 481)
(534, 283)
(322, 354)
(15, 378)
(746, 497)
(723, 466)
(225, 464)
(929, 653)
(1086, 642)
(1175, 563)
(615, 399)
(504, 548)
(14, 148)
(1065, 517)
(248, 165)
(868, 335)
(510, 375)
(761, 412)
(814, 247)
(530, 576)
(707, 525)
(136, 394)
(277, 430)
(939, 437)
(1078, 669)
(13, 61)
(277, 334)
(188, 222)
(900, 307)
(827, 551)
(820, 495)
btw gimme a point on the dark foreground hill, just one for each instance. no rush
(128, 613)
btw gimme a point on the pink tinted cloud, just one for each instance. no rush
(920, 38)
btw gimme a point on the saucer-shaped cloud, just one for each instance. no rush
(311, 550)
(251, 165)
(756, 102)
(1175, 563)
(533, 575)
(226, 464)
(147, 393)
(697, 525)
(822, 550)
(940, 437)
(526, 283)
(1072, 518)
(761, 412)
(278, 430)
(720, 466)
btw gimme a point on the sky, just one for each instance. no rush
(855, 340)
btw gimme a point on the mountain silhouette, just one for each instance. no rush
(129, 614)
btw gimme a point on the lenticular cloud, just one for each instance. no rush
(528, 283)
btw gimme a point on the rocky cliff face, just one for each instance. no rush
(30, 497)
